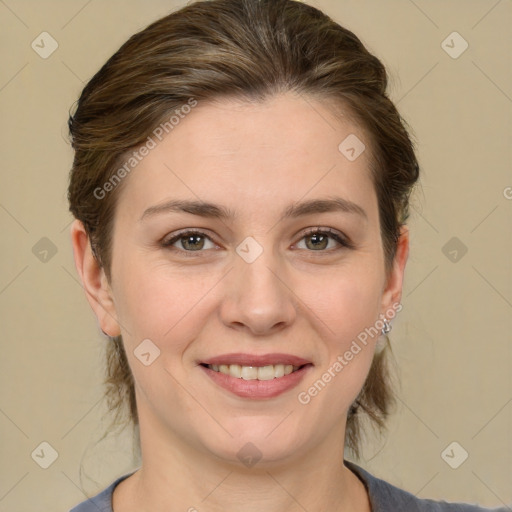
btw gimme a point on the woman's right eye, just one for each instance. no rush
(190, 241)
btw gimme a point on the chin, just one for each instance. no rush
(257, 441)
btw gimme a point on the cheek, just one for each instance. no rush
(154, 303)
(347, 303)
(139, 299)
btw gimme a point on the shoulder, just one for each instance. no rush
(385, 497)
(102, 502)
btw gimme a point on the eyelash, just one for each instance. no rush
(343, 241)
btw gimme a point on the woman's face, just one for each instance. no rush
(255, 287)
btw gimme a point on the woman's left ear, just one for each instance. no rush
(392, 292)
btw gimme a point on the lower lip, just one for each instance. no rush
(257, 388)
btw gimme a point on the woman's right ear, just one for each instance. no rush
(94, 281)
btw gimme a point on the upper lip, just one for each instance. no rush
(256, 360)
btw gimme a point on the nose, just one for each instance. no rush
(257, 298)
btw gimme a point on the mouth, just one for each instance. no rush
(256, 377)
(267, 372)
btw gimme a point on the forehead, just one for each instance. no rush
(247, 155)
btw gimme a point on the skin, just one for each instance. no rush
(256, 159)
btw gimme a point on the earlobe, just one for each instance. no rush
(392, 293)
(94, 281)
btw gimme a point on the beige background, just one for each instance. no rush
(452, 340)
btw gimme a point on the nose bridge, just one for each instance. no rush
(258, 297)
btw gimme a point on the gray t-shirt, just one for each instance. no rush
(384, 497)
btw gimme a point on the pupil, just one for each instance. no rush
(190, 240)
(319, 238)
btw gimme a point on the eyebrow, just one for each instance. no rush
(214, 211)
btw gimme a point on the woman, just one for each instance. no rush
(240, 187)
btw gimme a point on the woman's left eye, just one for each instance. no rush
(317, 240)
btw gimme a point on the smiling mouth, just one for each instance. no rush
(268, 372)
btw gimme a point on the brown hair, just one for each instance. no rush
(248, 49)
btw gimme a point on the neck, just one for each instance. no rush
(176, 476)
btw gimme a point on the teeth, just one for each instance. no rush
(254, 372)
